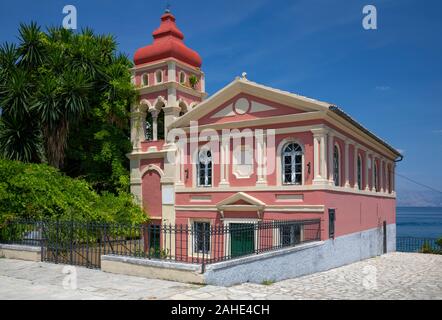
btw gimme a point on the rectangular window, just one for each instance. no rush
(201, 237)
(290, 234)
(331, 223)
(204, 175)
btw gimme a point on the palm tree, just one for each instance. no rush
(61, 93)
(60, 102)
(41, 87)
(19, 133)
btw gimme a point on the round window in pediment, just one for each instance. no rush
(242, 106)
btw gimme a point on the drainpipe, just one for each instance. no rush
(401, 157)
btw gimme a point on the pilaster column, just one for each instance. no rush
(317, 173)
(135, 180)
(381, 175)
(171, 112)
(393, 178)
(261, 158)
(154, 113)
(367, 185)
(347, 164)
(320, 162)
(138, 127)
(355, 159)
(224, 161)
(373, 174)
(171, 71)
(382, 179)
(179, 166)
(203, 83)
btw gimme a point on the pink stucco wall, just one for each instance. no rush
(279, 110)
(151, 192)
(354, 212)
(151, 74)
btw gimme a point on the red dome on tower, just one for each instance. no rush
(167, 43)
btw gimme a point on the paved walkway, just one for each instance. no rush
(392, 276)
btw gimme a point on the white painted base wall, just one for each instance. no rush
(277, 265)
(303, 260)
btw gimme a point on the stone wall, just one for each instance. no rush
(20, 252)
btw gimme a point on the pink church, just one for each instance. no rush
(252, 153)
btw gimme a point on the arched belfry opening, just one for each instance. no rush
(155, 123)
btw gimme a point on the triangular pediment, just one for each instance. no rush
(241, 199)
(246, 100)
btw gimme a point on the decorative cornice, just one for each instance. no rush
(168, 85)
(303, 188)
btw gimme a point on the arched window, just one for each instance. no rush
(336, 166)
(148, 133)
(359, 172)
(182, 77)
(145, 80)
(376, 180)
(204, 168)
(292, 159)
(159, 76)
(160, 125)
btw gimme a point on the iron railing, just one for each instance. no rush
(80, 243)
(413, 244)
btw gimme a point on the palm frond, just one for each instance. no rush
(31, 46)
(19, 140)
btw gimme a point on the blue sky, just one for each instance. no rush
(389, 79)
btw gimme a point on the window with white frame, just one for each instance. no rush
(359, 172)
(145, 80)
(159, 76)
(204, 168)
(292, 159)
(336, 166)
(201, 237)
(290, 234)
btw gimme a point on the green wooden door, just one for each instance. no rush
(242, 239)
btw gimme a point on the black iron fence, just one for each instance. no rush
(423, 245)
(79, 243)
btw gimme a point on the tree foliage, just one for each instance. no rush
(65, 100)
(39, 191)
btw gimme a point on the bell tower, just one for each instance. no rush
(168, 77)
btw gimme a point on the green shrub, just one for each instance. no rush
(38, 191)
(426, 248)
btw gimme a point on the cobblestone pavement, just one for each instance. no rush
(392, 276)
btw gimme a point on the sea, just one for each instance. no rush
(419, 222)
